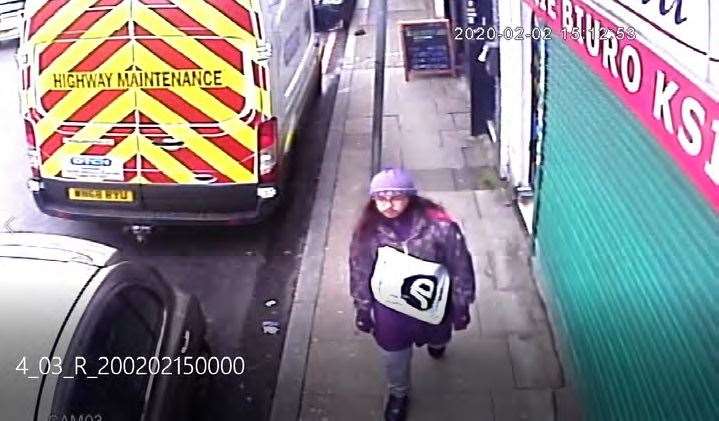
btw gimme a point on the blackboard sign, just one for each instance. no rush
(427, 47)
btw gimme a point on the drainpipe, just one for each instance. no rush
(378, 109)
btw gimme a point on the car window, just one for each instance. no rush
(127, 326)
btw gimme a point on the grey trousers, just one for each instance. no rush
(397, 366)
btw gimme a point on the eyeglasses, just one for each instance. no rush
(394, 199)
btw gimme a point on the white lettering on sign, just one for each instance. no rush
(663, 94)
(552, 8)
(694, 116)
(712, 167)
(623, 63)
(592, 26)
(611, 51)
(631, 69)
(548, 6)
(682, 116)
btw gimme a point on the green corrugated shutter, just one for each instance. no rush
(630, 255)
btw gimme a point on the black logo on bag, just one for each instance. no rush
(420, 291)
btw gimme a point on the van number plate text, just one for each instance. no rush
(101, 195)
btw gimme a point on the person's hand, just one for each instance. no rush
(363, 321)
(460, 317)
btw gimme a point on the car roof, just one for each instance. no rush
(55, 247)
(40, 284)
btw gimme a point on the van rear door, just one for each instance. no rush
(199, 101)
(84, 122)
(165, 96)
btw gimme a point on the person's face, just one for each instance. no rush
(390, 204)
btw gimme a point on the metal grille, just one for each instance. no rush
(629, 253)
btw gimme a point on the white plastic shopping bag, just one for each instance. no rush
(412, 286)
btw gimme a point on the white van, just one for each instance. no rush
(165, 111)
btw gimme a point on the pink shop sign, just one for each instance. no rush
(683, 117)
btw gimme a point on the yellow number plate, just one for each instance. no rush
(101, 195)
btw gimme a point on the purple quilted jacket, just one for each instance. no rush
(433, 236)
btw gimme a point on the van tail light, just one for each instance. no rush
(32, 151)
(267, 139)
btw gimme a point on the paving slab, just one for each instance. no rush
(493, 204)
(394, 59)
(357, 142)
(523, 405)
(483, 273)
(510, 266)
(344, 367)
(365, 43)
(462, 121)
(478, 154)
(452, 87)
(470, 365)
(352, 162)
(448, 155)
(418, 89)
(459, 137)
(361, 105)
(341, 407)
(504, 312)
(451, 407)
(449, 105)
(391, 147)
(333, 324)
(413, 116)
(534, 361)
(434, 180)
(358, 106)
(358, 125)
(421, 151)
(475, 178)
(461, 206)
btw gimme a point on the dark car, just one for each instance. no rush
(330, 13)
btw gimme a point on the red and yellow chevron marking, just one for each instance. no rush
(130, 72)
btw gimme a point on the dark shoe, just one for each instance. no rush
(436, 353)
(396, 409)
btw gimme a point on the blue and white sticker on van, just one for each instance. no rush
(93, 168)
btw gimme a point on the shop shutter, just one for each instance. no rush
(629, 252)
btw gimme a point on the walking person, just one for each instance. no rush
(411, 278)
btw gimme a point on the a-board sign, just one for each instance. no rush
(427, 47)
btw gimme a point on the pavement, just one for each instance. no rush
(505, 365)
